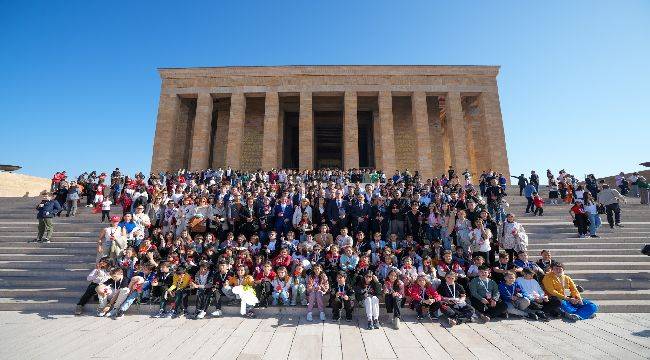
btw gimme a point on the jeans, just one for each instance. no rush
(72, 207)
(298, 293)
(45, 228)
(530, 206)
(282, 296)
(594, 223)
(613, 214)
(129, 301)
(496, 211)
(446, 239)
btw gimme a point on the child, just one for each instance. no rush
(349, 260)
(539, 301)
(369, 290)
(342, 296)
(393, 295)
(160, 284)
(220, 287)
(180, 291)
(453, 296)
(245, 292)
(513, 297)
(98, 276)
(203, 283)
(112, 292)
(423, 295)
(539, 204)
(106, 209)
(472, 272)
(263, 284)
(485, 296)
(297, 282)
(317, 286)
(281, 286)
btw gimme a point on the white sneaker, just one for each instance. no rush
(160, 313)
(200, 315)
(309, 317)
(216, 313)
(396, 322)
(322, 316)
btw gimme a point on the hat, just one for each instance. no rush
(115, 218)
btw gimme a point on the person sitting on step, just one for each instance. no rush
(559, 285)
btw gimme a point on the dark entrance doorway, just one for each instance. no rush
(290, 141)
(328, 131)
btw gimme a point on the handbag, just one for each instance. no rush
(600, 208)
(197, 224)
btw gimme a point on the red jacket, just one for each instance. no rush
(415, 292)
(538, 201)
(282, 261)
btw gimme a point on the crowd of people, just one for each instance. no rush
(323, 239)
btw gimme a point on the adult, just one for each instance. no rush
(591, 208)
(610, 198)
(47, 209)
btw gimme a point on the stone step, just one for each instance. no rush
(47, 257)
(34, 264)
(53, 293)
(587, 245)
(46, 306)
(563, 257)
(13, 282)
(616, 295)
(63, 273)
(571, 266)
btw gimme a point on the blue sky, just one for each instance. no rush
(79, 87)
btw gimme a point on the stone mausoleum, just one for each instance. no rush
(423, 118)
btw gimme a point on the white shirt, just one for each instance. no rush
(106, 204)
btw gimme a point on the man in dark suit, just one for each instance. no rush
(283, 213)
(337, 212)
(360, 215)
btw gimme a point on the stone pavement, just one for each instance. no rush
(27, 335)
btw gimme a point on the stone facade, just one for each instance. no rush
(423, 118)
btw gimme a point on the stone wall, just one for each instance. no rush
(404, 134)
(251, 157)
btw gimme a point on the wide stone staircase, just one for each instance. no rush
(49, 278)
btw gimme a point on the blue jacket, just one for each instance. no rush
(529, 190)
(48, 209)
(507, 291)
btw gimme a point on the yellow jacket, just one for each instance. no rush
(555, 286)
(180, 282)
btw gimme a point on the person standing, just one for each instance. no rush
(610, 198)
(47, 209)
(591, 208)
(72, 199)
(529, 190)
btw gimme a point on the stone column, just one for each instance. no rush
(492, 125)
(235, 130)
(350, 131)
(457, 132)
(168, 112)
(200, 151)
(423, 142)
(306, 132)
(386, 133)
(270, 138)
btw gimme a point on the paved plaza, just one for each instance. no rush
(28, 335)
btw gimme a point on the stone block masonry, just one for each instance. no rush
(413, 117)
